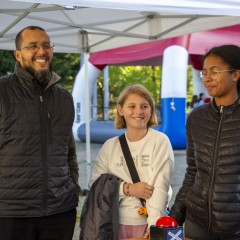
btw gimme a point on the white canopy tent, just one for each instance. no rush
(77, 26)
(107, 24)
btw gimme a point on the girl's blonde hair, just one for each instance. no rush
(141, 91)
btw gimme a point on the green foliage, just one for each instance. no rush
(120, 77)
(190, 88)
(67, 66)
(7, 61)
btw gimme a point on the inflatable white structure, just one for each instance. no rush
(98, 131)
(197, 83)
(79, 94)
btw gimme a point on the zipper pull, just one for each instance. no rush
(221, 109)
(41, 98)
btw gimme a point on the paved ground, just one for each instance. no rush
(85, 171)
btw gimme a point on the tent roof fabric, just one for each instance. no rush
(100, 25)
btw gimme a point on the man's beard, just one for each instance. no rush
(42, 78)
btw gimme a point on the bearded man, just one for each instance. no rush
(38, 166)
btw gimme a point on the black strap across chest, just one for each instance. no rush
(130, 162)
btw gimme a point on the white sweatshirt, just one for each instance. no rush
(154, 160)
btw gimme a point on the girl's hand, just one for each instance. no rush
(147, 234)
(141, 190)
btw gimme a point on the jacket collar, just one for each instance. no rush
(226, 109)
(26, 79)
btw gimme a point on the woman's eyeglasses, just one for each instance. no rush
(212, 73)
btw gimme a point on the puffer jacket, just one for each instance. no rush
(35, 132)
(100, 211)
(210, 194)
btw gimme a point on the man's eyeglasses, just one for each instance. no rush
(34, 47)
(213, 73)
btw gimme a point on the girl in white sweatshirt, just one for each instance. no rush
(153, 158)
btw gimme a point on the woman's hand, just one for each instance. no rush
(141, 190)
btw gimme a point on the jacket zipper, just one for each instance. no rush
(214, 170)
(0, 108)
(44, 154)
(49, 126)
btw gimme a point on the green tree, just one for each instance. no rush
(67, 66)
(190, 88)
(121, 76)
(7, 62)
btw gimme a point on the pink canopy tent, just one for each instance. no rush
(150, 53)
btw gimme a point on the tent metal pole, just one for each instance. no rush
(85, 47)
(106, 93)
(87, 108)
